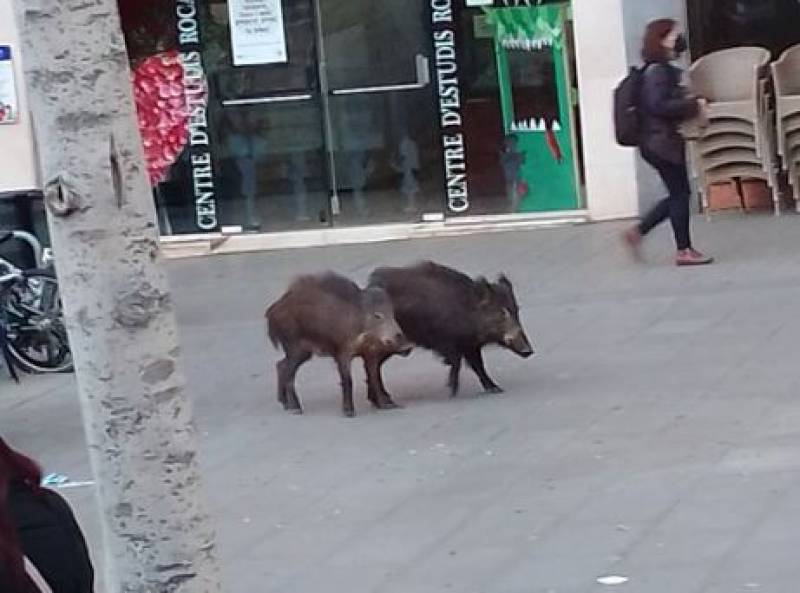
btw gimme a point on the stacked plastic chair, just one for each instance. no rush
(739, 140)
(786, 74)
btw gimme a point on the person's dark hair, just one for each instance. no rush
(16, 468)
(654, 34)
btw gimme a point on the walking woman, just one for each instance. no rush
(664, 105)
(42, 549)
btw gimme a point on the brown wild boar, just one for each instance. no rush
(329, 315)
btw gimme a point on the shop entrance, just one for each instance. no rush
(308, 113)
(339, 130)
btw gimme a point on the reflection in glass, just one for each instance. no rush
(268, 126)
(386, 151)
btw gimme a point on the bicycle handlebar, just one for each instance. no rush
(10, 276)
(33, 242)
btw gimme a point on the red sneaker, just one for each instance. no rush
(692, 257)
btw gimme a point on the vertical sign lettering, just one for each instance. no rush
(196, 90)
(450, 117)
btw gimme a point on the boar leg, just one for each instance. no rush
(454, 362)
(372, 391)
(287, 370)
(387, 403)
(280, 371)
(475, 362)
(343, 362)
(376, 391)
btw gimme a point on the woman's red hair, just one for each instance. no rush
(14, 467)
(653, 49)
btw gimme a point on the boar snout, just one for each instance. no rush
(398, 344)
(518, 342)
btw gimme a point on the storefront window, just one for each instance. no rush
(285, 114)
(520, 114)
(721, 24)
(273, 115)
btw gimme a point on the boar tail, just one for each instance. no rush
(272, 330)
(273, 335)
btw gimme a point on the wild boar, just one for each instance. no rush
(448, 312)
(329, 315)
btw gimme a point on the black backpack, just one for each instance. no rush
(627, 122)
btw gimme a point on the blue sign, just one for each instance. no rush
(5, 52)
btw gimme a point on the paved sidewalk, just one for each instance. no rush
(654, 437)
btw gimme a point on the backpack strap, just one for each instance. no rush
(35, 576)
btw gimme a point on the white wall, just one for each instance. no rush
(600, 38)
(17, 169)
(636, 14)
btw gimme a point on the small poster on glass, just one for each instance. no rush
(9, 107)
(257, 34)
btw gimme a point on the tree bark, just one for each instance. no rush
(119, 311)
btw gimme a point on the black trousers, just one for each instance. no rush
(675, 206)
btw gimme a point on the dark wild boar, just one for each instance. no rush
(329, 315)
(448, 312)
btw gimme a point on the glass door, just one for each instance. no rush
(323, 113)
(385, 158)
(266, 114)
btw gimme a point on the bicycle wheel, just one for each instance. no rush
(36, 334)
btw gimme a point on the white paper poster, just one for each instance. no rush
(9, 108)
(257, 35)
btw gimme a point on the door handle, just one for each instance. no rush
(423, 80)
(265, 100)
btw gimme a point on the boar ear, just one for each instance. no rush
(484, 290)
(503, 281)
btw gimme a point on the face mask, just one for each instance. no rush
(680, 45)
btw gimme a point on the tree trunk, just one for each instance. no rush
(119, 311)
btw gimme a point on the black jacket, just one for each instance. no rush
(664, 105)
(51, 538)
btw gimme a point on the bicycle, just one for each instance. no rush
(34, 337)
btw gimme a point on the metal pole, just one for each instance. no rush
(324, 89)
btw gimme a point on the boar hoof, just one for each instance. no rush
(388, 404)
(349, 413)
(292, 405)
(494, 390)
